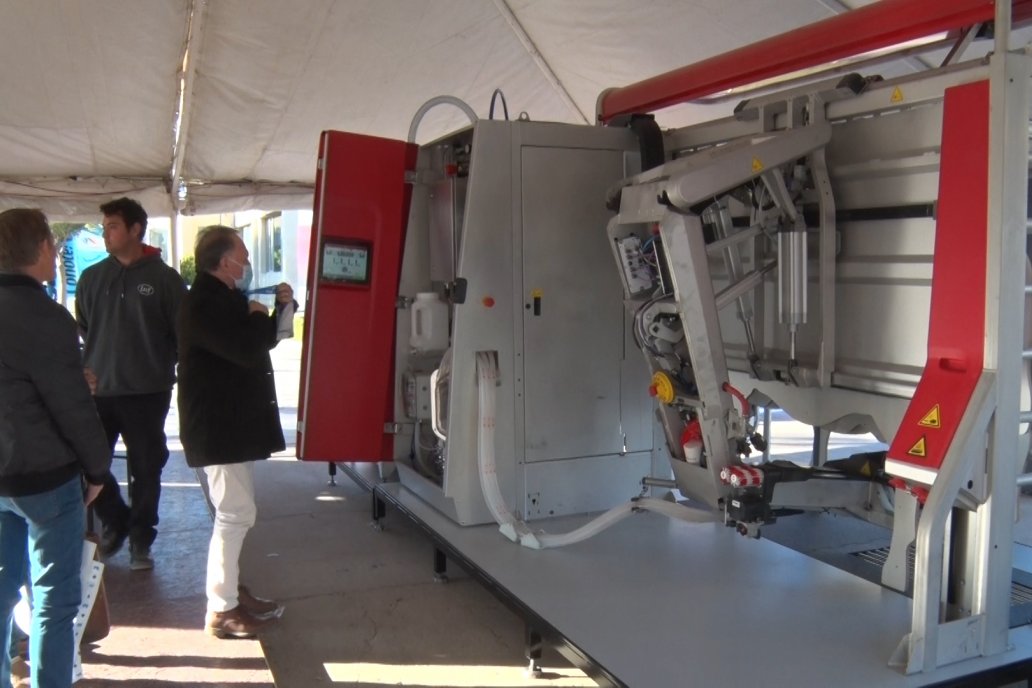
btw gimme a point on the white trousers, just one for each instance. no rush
(231, 489)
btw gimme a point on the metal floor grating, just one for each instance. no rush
(1020, 593)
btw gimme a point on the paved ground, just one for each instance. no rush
(363, 609)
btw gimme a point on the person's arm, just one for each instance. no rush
(83, 303)
(172, 296)
(92, 492)
(220, 328)
(57, 373)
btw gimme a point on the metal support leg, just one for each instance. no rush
(440, 566)
(895, 572)
(332, 467)
(821, 438)
(533, 646)
(379, 511)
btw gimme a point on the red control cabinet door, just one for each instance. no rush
(347, 363)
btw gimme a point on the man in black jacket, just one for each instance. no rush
(228, 415)
(50, 438)
(126, 307)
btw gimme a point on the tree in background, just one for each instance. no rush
(188, 269)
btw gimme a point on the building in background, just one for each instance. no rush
(277, 240)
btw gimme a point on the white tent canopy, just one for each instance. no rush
(95, 93)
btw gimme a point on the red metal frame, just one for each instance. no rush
(876, 26)
(956, 339)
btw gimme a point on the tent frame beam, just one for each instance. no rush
(539, 60)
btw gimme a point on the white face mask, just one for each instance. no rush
(244, 281)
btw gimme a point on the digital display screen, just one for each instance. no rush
(345, 262)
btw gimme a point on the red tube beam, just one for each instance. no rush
(876, 26)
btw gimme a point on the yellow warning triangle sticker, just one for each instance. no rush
(931, 419)
(897, 95)
(757, 165)
(919, 448)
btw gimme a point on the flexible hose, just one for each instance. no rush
(487, 379)
(515, 529)
(438, 100)
(727, 387)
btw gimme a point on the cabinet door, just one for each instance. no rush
(573, 326)
(347, 381)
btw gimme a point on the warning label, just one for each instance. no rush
(897, 95)
(931, 419)
(919, 448)
(757, 165)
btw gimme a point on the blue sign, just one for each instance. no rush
(83, 249)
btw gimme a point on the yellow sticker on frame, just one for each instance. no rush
(932, 419)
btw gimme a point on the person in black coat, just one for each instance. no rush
(51, 439)
(228, 414)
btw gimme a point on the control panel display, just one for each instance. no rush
(345, 262)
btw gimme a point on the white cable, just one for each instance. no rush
(515, 529)
(438, 100)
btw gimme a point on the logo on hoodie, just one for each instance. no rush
(145, 289)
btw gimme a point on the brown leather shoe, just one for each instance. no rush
(258, 607)
(235, 623)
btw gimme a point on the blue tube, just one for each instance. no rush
(262, 290)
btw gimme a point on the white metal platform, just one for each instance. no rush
(653, 602)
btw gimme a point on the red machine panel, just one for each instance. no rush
(956, 326)
(347, 365)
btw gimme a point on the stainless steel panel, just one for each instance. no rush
(576, 486)
(573, 346)
(446, 198)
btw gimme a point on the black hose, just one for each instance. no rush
(505, 106)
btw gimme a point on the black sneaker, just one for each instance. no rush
(111, 540)
(140, 558)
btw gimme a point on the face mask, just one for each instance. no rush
(244, 281)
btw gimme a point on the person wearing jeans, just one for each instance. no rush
(228, 416)
(52, 523)
(50, 440)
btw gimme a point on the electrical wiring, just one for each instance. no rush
(505, 106)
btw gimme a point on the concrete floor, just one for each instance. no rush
(363, 610)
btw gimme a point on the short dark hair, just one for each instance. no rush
(21, 232)
(213, 242)
(130, 211)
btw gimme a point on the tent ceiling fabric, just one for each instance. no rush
(90, 88)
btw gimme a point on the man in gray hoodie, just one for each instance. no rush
(126, 307)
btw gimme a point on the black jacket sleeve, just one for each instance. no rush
(57, 373)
